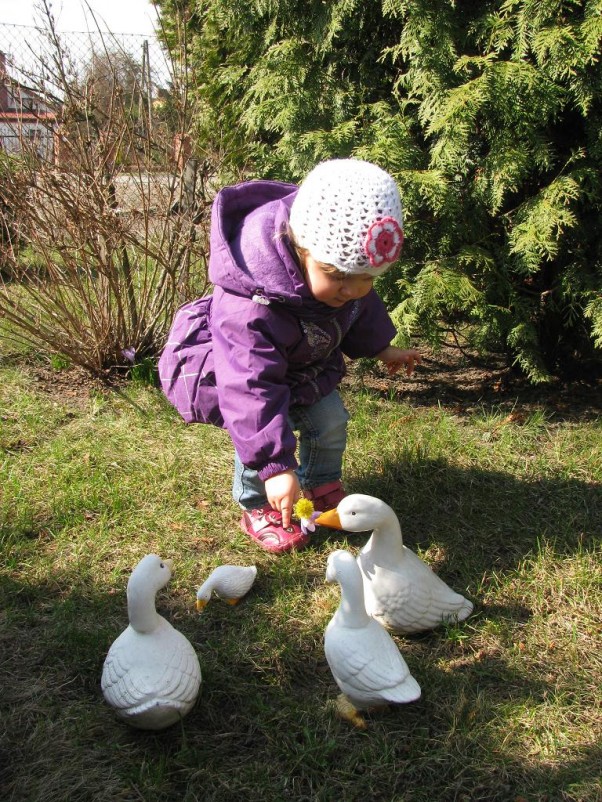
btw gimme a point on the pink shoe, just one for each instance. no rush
(264, 526)
(326, 497)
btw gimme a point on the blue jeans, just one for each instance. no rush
(322, 439)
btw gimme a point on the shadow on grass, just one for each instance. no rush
(485, 520)
(450, 380)
(264, 727)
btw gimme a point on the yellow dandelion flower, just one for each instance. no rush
(304, 508)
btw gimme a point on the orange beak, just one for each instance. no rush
(330, 518)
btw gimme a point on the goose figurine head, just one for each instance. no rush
(400, 589)
(364, 660)
(228, 582)
(151, 676)
(146, 580)
(358, 513)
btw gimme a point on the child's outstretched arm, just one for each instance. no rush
(394, 358)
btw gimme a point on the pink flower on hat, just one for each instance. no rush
(383, 241)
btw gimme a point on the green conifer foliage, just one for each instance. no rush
(510, 111)
(487, 113)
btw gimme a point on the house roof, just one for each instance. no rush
(26, 116)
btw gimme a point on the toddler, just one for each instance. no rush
(262, 357)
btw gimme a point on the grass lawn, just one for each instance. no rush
(506, 507)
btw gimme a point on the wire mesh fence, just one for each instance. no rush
(29, 50)
(43, 71)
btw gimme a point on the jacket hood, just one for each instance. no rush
(250, 253)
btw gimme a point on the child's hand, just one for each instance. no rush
(394, 358)
(282, 491)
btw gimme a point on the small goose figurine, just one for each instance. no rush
(401, 590)
(228, 582)
(364, 659)
(151, 675)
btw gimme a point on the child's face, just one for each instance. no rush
(335, 288)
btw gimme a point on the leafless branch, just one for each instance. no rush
(104, 212)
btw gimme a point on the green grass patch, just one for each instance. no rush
(506, 507)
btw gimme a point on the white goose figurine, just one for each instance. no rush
(364, 659)
(151, 675)
(228, 582)
(401, 590)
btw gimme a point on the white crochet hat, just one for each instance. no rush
(347, 213)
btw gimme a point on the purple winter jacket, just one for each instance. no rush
(261, 343)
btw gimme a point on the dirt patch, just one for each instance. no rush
(462, 382)
(72, 385)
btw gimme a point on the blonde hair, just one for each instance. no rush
(302, 253)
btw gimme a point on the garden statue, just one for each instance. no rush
(401, 590)
(151, 675)
(364, 659)
(228, 582)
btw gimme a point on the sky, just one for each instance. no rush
(117, 16)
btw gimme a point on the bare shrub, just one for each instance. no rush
(108, 225)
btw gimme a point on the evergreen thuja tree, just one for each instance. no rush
(508, 100)
(280, 84)
(487, 113)
(213, 43)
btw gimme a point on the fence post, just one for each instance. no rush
(182, 148)
(187, 168)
